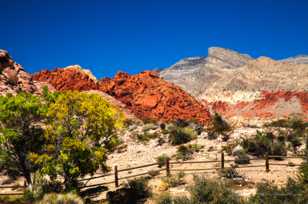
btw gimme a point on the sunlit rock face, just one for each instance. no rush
(149, 96)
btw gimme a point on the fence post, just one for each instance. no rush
(267, 163)
(168, 167)
(222, 160)
(116, 177)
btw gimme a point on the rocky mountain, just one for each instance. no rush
(14, 79)
(145, 94)
(148, 96)
(227, 80)
(68, 78)
(195, 74)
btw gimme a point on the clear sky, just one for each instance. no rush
(133, 35)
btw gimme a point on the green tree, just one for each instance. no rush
(80, 133)
(21, 133)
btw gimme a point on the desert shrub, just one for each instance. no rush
(265, 143)
(293, 192)
(279, 149)
(212, 135)
(161, 141)
(162, 126)
(180, 135)
(54, 198)
(139, 188)
(184, 153)
(161, 160)
(295, 141)
(149, 126)
(164, 198)
(214, 192)
(181, 123)
(13, 199)
(242, 158)
(175, 180)
(195, 147)
(182, 200)
(218, 126)
(304, 172)
(146, 136)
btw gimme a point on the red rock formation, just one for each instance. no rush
(149, 96)
(70, 78)
(271, 105)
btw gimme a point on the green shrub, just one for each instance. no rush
(161, 160)
(195, 147)
(214, 192)
(279, 149)
(184, 153)
(265, 143)
(293, 192)
(182, 200)
(218, 126)
(242, 158)
(54, 198)
(179, 135)
(175, 180)
(164, 198)
(140, 188)
(146, 136)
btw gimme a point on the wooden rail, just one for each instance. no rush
(168, 169)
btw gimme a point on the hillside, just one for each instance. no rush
(229, 81)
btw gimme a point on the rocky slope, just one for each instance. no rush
(195, 74)
(144, 94)
(229, 81)
(14, 79)
(68, 78)
(148, 96)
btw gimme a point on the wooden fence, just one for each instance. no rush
(168, 169)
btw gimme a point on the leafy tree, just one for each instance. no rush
(21, 117)
(80, 132)
(219, 127)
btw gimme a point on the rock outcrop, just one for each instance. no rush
(270, 105)
(13, 78)
(68, 78)
(148, 96)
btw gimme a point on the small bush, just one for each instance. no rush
(184, 153)
(54, 198)
(146, 136)
(208, 191)
(140, 188)
(161, 160)
(293, 192)
(195, 147)
(175, 180)
(242, 158)
(164, 198)
(179, 136)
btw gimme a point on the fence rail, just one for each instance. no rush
(168, 169)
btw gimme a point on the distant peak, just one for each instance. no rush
(214, 51)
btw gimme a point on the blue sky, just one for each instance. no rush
(134, 35)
